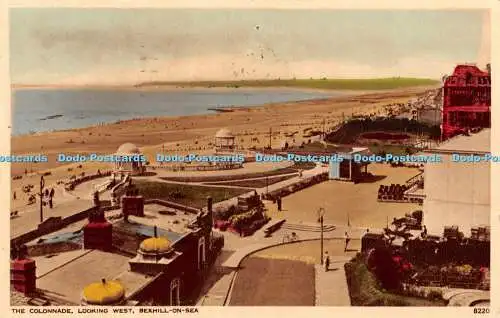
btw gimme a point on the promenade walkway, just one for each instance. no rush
(331, 286)
(29, 219)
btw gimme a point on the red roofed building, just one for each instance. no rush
(466, 100)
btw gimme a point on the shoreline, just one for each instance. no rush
(191, 134)
(345, 95)
(249, 124)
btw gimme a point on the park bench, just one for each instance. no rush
(273, 226)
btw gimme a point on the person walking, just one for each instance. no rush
(327, 262)
(51, 197)
(347, 240)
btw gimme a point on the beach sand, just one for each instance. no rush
(189, 134)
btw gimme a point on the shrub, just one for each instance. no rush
(364, 290)
(384, 268)
(435, 295)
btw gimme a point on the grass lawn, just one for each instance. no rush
(292, 169)
(190, 195)
(319, 147)
(274, 282)
(324, 83)
(392, 149)
(364, 289)
(260, 183)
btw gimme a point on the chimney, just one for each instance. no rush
(132, 203)
(23, 272)
(98, 233)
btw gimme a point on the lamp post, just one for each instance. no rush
(321, 213)
(42, 185)
(267, 185)
(270, 136)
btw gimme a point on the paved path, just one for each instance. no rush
(465, 297)
(331, 286)
(30, 218)
(279, 185)
(235, 259)
(219, 292)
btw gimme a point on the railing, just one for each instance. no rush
(419, 178)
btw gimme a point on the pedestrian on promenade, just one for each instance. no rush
(347, 240)
(327, 262)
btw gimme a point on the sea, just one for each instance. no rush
(41, 110)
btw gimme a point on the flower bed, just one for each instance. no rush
(366, 290)
(454, 276)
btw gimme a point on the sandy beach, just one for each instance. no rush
(193, 133)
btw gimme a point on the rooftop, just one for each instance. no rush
(128, 149)
(224, 133)
(478, 142)
(68, 280)
(168, 219)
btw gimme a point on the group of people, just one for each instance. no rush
(48, 194)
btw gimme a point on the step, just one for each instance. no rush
(311, 228)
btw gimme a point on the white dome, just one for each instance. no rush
(128, 148)
(224, 133)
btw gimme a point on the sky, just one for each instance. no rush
(126, 46)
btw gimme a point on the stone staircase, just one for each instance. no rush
(308, 227)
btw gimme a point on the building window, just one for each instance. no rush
(201, 252)
(175, 286)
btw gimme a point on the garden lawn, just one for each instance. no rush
(190, 195)
(274, 282)
(258, 183)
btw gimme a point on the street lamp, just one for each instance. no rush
(321, 213)
(42, 185)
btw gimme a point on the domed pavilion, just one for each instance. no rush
(225, 141)
(128, 167)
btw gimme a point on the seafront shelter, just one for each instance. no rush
(348, 169)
